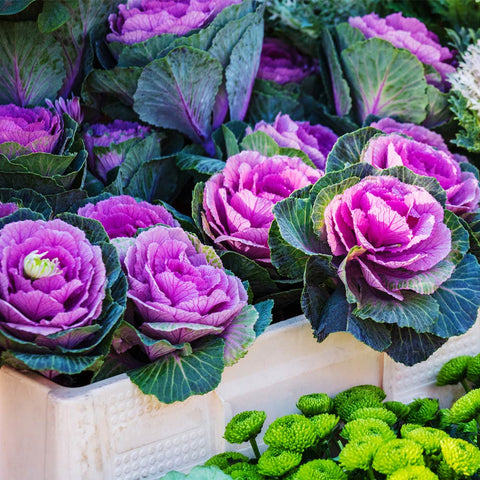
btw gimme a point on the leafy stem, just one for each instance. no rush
(256, 451)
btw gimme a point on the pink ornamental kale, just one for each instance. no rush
(390, 235)
(52, 279)
(139, 20)
(283, 63)
(238, 201)
(180, 293)
(315, 141)
(417, 132)
(463, 191)
(7, 208)
(112, 140)
(36, 129)
(122, 215)
(411, 34)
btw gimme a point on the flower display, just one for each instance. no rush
(35, 129)
(463, 191)
(238, 201)
(108, 144)
(283, 63)
(411, 34)
(139, 20)
(179, 294)
(122, 215)
(314, 140)
(53, 280)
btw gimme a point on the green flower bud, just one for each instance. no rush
(35, 266)
(473, 369)
(315, 404)
(244, 426)
(291, 432)
(462, 457)
(454, 371)
(466, 408)
(276, 461)
(225, 460)
(413, 472)
(360, 429)
(324, 424)
(398, 408)
(346, 402)
(375, 412)
(422, 410)
(320, 470)
(429, 438)
(359, 454)
(396, 454)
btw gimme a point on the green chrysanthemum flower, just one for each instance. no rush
(324, 424)
(244, 426)
(422, 410)
(473, 369)
(462, 457)
(346, 402)
(320, 470)
(429, 438)
(375, 412)
(244, 471)
(408, 427)
(276, 461)
(360, 429)
(398, 408)
(454, 371)
(443, 418)
(291, 432)
(396, 454)
(466, 408)
(413, 472)
(225, 460)
(315, 404)
(359, 454)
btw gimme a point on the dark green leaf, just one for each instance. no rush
(93, 228)
(10, 7)
(27, 198)
(175, 378)
(53, 16)
(199, 164)
(264, 310)
(438, 109)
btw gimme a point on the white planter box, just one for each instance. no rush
(111, 431)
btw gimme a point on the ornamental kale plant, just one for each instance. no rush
(380, 256)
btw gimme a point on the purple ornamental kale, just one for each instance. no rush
(417, 132)
(139, 20)
(122, 215)
(112, 138)
(180, 294)
(463, 191)
(411, 34)
(389, 235)
(36, 129)
(316, 141)
(238, 201)
(51, 279)
(70, 106)
(283, 63)
(7, 208)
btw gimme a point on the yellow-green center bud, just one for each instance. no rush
(35, 266)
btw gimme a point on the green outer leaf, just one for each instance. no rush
(31, 65)
(179, 92)
(53, 16)
(231, 144)
(197, 205)
(459, 299)
(438, 109)
(333, 77)
(199, 164)
(66, 364)
(93, 229)
(334, 314)
(21, 214)
(26, 198)
(45, 164)
(348, 149)
(240, 334)
(409, 347)
(260, 142)
(385, 81)
(10, 7)
(265, 318)
(175, 378)
(347, 35)
(242, 69)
